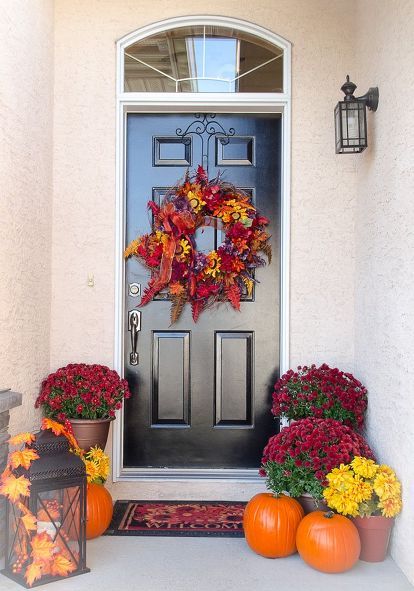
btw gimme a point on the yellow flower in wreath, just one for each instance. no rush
(183, 250)
(213, 264)
(161, 237)
(195, 200)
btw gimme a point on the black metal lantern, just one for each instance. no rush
(351, 119)
(57, 501)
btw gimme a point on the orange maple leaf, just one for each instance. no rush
(33, 573)
(42, 547)
(29, 521)
(12, 487)
(6, 472)
(74, 443)
(61, 566)
(22, 438)
(57, 428)
(23, 458)
(23, 508)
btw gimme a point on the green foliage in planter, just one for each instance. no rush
(292, 479)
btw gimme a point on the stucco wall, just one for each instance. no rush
(26, 75)
(84, 201)
(322, 263)
(384, 279)
(322, 266)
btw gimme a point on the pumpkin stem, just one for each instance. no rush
(329, 514)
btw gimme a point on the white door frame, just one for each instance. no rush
(145, 102)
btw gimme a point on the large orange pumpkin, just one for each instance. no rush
(270, 524)
(99, 510)
(328, 542)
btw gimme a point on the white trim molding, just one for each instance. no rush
(147, 102)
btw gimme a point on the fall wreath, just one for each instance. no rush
(170, 251)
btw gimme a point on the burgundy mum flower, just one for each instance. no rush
(81, 391)
(308, 450)
(321, 392)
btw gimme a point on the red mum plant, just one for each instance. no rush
(321, 392)
(81, 391)
(297, 459)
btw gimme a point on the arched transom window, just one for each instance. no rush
(203, 58)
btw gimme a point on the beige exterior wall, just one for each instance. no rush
(26, 125)
(384, 241)
(84, 196)
(322, 264)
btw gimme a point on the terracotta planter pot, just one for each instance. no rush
(374, 533)
(91, 432)
(310, 504)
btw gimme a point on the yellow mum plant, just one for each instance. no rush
(363, 488)
(96, 464)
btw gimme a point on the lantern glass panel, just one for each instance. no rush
(58, 514)
(350, 127)
(18, 548)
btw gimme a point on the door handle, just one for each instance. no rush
(134, 326)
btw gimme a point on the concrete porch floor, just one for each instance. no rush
(213, 564)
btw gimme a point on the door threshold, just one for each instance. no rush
(235, 475)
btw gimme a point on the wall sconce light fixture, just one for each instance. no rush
(351, 119)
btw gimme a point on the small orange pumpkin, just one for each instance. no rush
(270, 524)
(99, 510)
(328, 542)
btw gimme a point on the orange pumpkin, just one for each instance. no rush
(270, 524)
(99, 510)
(328, 542)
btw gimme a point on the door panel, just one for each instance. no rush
(202, 391)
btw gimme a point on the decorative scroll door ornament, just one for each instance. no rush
(205, 126)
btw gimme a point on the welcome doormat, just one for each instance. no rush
(177, 518)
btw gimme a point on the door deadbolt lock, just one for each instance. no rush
(134, 290)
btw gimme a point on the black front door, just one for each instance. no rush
(202, 391)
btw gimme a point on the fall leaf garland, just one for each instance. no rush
(40, 553)
(170, 251)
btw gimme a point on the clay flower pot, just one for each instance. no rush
(91, 432)
(310, 504)
(374, 532)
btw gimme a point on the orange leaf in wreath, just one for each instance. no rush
(13, 487)
(61, 566)
(23, 458)
(42, 547)
(29, 521)
(176, 288)
(33, 573)
(21, 438)
(233, 295)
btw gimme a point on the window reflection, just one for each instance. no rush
(203, 59)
